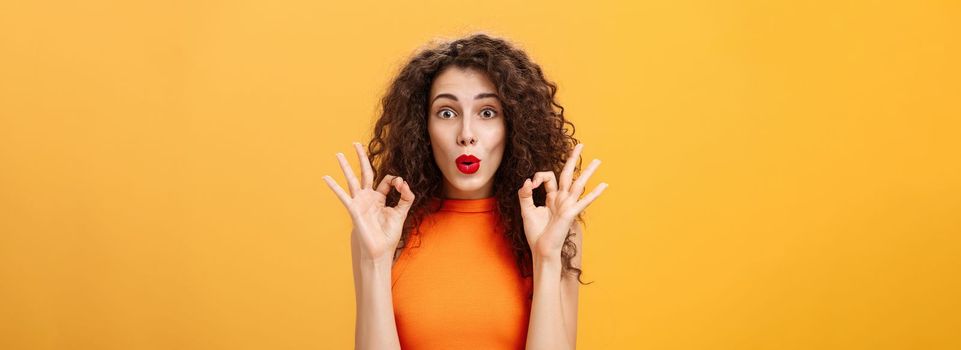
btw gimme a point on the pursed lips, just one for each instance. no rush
(467, 164)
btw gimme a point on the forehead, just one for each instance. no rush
(461, 81)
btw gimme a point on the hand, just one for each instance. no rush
(547, 227)
(376, 226)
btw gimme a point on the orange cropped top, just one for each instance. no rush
(456, 285)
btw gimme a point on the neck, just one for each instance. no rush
(452, 192)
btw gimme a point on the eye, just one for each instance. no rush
(446, 113)
(488, 115)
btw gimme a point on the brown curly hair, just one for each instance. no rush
(537, 137)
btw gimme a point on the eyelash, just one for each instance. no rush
(452, 111)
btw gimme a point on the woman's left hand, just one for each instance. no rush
(547, 227)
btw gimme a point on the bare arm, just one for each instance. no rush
(373, 240)
(546, 329)
(543, 330)
(553, 323)
(375, 327)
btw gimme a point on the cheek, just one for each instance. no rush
(432, 132)
(439, 132)
(497, 138)
(499, 134)
(491, 131)
(439, 140)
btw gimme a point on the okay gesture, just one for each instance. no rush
(547, 227)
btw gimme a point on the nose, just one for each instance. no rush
(466, 136)
(465, 141)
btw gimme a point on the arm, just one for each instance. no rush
(546, 329)
(375, 327)
(555, 299)
(373, 241)
(553, 322)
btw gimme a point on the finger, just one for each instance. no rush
(366, 172)
(526, 195)
(349, 174)
(550, 185)
(547, 178)
(590, 197)
(344, 198)
(406, 195)
(567, 175)
(578, 187)
(385, 184)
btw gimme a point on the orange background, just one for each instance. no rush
(783, 175)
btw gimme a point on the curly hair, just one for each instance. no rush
(537, 136)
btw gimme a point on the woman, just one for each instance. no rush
(469, 251)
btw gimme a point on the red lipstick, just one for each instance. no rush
(468, 164)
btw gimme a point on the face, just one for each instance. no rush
(467, 131)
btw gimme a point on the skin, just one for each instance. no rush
(466, 118)
(461, 123)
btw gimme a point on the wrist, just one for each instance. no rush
(551, 262)
(376, 266)
(546, 255)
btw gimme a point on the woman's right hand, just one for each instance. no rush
(377, 226)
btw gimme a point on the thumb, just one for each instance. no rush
(406, 195)
(526, 195)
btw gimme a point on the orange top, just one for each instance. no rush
(457, 285)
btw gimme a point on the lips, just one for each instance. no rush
(467, 164)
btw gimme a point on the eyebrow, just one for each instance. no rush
(452, 97)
